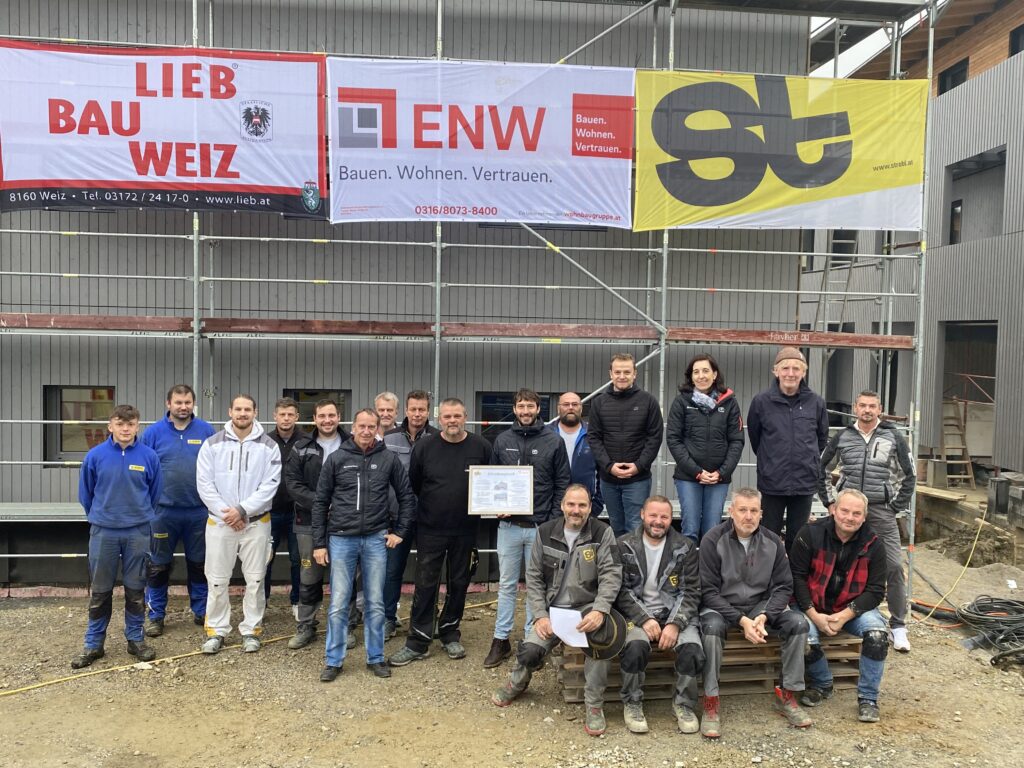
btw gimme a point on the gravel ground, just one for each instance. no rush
(941, 705)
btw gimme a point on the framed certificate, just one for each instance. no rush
(500, 490)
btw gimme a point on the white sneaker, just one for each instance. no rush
(900, 641)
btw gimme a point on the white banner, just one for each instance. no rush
(466, 141)
(181, 128)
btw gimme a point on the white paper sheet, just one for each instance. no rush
(563, 622)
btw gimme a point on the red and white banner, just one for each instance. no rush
(84, 127)
(469, 141)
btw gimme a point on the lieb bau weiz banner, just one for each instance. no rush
(467, 141)
(84, 127)
(730, 151)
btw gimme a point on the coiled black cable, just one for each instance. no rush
(1000, 621)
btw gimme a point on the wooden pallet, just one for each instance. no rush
(745, 669)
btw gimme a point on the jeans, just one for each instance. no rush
(282, 530)
(623, 503)
(797, 510)
(347, 553)
(108, 548)
(397, 559)
(870, 679)
(174, 524)
(514, 543)
(702, 506)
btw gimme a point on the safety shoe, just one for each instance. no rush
(867, 711)
(711, 723)
(199, 621)
(812, 697)
(685, 718)
(595, 724)
(250, 644)
(405, 656)
(86, 657)
(304, 635)
(455, 650)
(380, 669)
(390, 629)
(633, 715)
(504, 695)
(786, 705)
(155, 628)
(900, 641)
(329, 673)
(140, 650)
(213, 644)
(500, 650)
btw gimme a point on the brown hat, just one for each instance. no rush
(790, 353)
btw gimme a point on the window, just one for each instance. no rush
(307, 398)
(1017, 40)
(497, 406)
(70, 442)
(952, 77)
(955, 221)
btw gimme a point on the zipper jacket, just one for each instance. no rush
(678, 579)
(118, 487)
(831, 574)
(874, 466)
(705, 440)
(625, 427)
(397, 440)
(583, 469)
(537, 447)
(178, 451)
(243, 474)
(352, 495)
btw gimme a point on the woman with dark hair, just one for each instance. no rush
(705, 436)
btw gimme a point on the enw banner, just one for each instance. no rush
(171, 128)
(771, 152)
(466, 141)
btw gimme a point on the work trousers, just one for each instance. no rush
(795, 510)
(282, 531)
(883, 522)
(791, 629)
(431, 552)
(251, 545)
(108, 549)
(530, 657)
(689, 663)
(174, 524)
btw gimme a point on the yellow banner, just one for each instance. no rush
(771, 152)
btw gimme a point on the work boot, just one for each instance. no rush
(812, 697)
(595, 724)
(867, 711)
(304, 635)
(250, 644)
(213, 645)
(155, 628)
(786, 705)
(86, 657)
(406, 656)
(329, 673)
(633, 715)
(390, 629)
(500, 650)
(380, 669)
(199, 621)
(352, 639)
(505, 695)
(455, 650)
(710, 723)
(141, 651)
(685, 718)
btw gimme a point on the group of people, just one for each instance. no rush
(352, 505)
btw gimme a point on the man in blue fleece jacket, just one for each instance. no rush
(118, 488)
(180, 513)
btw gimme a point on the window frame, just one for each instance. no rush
(54, 435)
(954, 235)
(953, 73)
(302, 395)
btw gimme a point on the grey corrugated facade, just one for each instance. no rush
(517, 30)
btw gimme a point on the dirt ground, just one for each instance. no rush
(941, 705)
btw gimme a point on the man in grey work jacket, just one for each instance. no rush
(874, 459)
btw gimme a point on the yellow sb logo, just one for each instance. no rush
(588, 555)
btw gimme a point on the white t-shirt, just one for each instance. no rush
(329, 446)
(569, 438)
(570, 537)
(745, 542)
(652, 597)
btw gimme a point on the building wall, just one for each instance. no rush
(504, 257)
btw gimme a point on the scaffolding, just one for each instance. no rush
(651, 328)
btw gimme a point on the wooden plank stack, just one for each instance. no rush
(746, 668)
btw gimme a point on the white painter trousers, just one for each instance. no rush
(253, 547)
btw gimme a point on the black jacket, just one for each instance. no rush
(352, 494)
(543, 450)
(881, 468)
(283, 498)
(301, 473)
(788, 436)
(625, 427)
(678, 579)
(705, 440)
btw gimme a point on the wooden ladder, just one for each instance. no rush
(959, 470)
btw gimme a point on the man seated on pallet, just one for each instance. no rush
(574, 563)
(839, 568)
(746, 583)
(660, 595)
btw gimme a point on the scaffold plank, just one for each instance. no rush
(790, 338)
(26, 320)
(315, 327)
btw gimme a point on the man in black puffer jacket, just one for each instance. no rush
(625, 431)
(352, 528)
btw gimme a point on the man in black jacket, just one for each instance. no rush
(282, 512)
(625, 431)
(301, 475)
(352, 528)
(660, 595)
(788, 427)
(527, 443)
(444, 529)
(746, 583)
